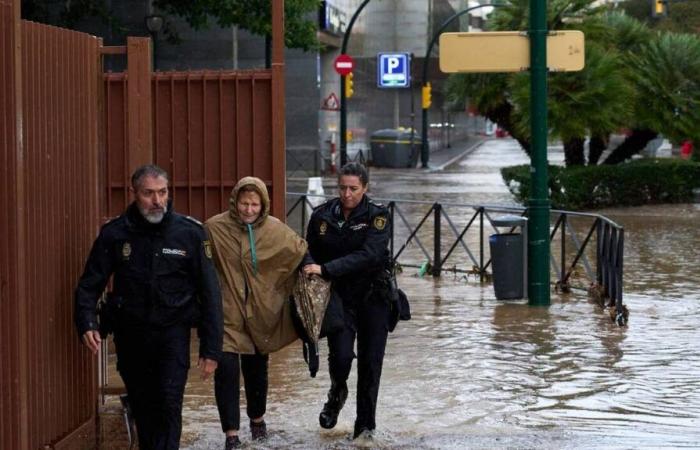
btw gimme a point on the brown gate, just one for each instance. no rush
(208, 130)
(50, 81)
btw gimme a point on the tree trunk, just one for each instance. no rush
(634, 143)
(501, 116)
(596, 147)
(573, 152)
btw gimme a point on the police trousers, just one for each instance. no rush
(153, 363)
(366, 320)
(227, 387)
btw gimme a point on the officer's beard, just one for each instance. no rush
(154, 217)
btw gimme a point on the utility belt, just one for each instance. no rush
(385, 287)
(114, 312)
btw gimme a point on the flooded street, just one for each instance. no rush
(469, 371)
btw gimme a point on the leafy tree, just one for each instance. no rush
(252, 15)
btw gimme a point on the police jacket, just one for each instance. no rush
(352, 253)
(163, 276)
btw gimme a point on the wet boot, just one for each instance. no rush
(258, 430)
(336, 399)
(232, 442)
(362, 432)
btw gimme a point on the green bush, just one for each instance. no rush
(638, 182)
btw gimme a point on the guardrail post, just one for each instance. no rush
(562, 272)
(437, 259)
(392, 205)
(304, 199)
(481, 245)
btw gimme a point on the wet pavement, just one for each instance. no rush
(471, 372)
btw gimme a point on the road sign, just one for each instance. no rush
(344, 64)
(393, 70)
(508, 51)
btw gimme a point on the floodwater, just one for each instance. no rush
(469, 371)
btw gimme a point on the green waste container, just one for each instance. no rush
(509, 258)
(392, 148)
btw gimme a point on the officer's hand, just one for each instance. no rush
(310, 269)
(207, 367)
(92, 340)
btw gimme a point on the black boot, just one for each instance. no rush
(336, 399)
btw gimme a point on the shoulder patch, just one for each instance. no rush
(194, 221)
(207, 248)
(379, 222)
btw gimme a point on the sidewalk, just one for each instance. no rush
(443, 158)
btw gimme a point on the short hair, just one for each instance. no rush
(149, 170)
(355, 169)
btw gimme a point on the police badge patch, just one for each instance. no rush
(322, 228)
(207, 248)
(379, 222)
(126, 251)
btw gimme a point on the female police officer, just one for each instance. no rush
(348, 240)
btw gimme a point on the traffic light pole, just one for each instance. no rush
(425, 148)
(538, 225)
(343, 106)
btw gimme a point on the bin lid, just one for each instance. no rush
(393, 134)
(509, 220)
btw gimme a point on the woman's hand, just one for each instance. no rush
(311, 269)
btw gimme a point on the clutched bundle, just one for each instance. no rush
(311, 296)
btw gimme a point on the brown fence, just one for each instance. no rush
(50, 197)
(58, 180)
(209, 130)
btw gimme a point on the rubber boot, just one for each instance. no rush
(337, 395)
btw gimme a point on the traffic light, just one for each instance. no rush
(659, 8)
(427, 96)
(349, 85)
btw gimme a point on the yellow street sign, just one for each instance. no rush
(508, 51)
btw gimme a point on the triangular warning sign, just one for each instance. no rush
(331, 103)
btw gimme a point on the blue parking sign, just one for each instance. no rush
(393, 70)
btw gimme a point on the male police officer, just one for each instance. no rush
(164, 282)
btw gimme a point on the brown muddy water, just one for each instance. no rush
(469, 371)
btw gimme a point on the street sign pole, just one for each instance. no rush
(538, 226)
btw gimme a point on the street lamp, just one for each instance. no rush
(154, 23)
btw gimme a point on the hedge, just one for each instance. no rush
(638, 182)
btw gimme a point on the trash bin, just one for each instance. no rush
(392, 148)
(509, 258)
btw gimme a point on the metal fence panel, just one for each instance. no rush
(209, 130)
(12, 389)
(50, 198)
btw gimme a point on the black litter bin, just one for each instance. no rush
(392, 148)
(509, 259)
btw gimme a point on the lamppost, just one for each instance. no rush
(425, 149)
(154, 23)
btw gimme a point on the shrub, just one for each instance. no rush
(638, 182)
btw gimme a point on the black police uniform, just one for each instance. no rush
(164, 283)
(353, 253)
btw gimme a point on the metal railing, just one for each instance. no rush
(433, 244)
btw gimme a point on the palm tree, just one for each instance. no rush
(591, 102)
(666, 73)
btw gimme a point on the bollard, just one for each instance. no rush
(315, 188)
